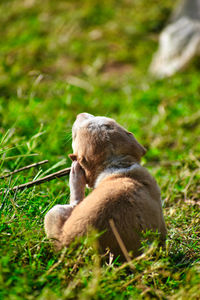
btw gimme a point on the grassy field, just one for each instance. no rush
(60, 58)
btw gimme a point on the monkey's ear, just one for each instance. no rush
(73, 157)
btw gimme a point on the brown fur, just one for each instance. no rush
(127, 193)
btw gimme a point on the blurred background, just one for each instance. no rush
(90, 40)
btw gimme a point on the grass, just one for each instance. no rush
(61, 58)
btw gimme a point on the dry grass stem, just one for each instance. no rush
(49, 177)
(25, 168)
(119, 240)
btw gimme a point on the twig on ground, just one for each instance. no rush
(119, 240)
(25, 168)
(49, 177)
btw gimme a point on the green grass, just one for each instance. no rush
(61, 58)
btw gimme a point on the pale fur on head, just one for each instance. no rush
(120, 149)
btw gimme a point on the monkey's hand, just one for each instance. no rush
(77, 183)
